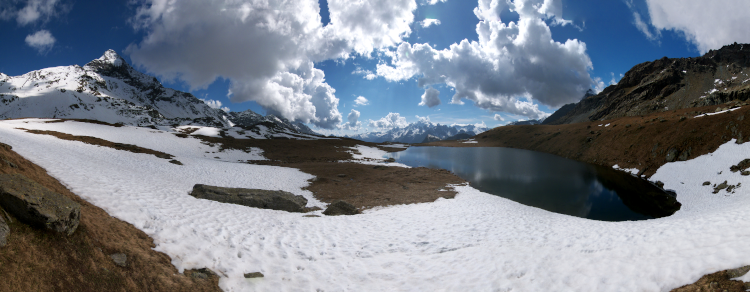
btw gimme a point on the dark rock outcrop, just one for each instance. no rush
(36, 205)
(665, 85)
(4, 231)
(264, 199)
(340, 208)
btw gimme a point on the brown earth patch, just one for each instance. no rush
(643, 142)
(39, 260)
(716, 282)
(364, 186)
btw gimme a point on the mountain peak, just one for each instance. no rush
(111, 57)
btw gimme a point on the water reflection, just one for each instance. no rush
(546, 181)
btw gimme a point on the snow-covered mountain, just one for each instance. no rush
(418, 132)
(250, 118)
(106, 89)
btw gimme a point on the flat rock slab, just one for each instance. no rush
(36, 205)
(264, 199)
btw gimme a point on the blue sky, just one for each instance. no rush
(298, 60)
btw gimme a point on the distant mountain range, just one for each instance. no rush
(422, 131)
(667, 84)
(108, 89)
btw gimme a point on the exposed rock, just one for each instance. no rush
(745, 173)
(665, 84)
(389, 160)
(199, 275)
(672, 154)
(706, 183)
(340, 208)
(34, 204)
(253, 275)
(6, 146)
(175, 162)
(264, 199)
(684, 155)
(721, 186)
(738, 272)
(744, 164)
(120, 259)
(4, 231)
(341, 175)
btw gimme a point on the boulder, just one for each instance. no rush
(264, 199)
(340, 208)
(672, 154)
(120, 259)
(36, 205)
(4, 231)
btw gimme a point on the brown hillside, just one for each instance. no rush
(667, 84)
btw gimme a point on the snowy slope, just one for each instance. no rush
(105, 89)
(417, 132)
(475, 242)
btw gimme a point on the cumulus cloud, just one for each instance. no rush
(508, 68)
(498, 117)
(30, 11)
(429, 21)
(392, 120)
(366, 74)
(352, 121)
(423, 119)
(266, 49)
(215, 104)
(430, 98)
(707, 24)
(361, 100)
(42, 41)
(433, 2)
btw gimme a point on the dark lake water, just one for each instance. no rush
(547, 181)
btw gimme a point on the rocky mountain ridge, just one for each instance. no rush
(667, 84)
(418, 132)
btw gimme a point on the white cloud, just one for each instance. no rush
(429, 21)
(643, 27)
(215, 104)
(430, 98)
(266, 49)
(498, 117)
(366, 74)
(41, 41)
(423, 119)
(369, 25)
(352, 121)
(509, 67)
(392, 120)
(361, 100)
(433, 2)
(707, 24)
(30, 11)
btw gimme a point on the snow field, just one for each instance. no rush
(475, 242)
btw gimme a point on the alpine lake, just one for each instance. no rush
(549, 182)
